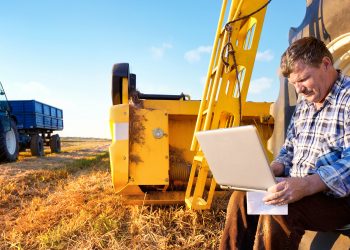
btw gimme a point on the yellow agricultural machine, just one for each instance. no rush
(154, 155)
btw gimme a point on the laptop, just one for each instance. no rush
(236, 158)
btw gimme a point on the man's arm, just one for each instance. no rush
(334, 171)
(277, 168)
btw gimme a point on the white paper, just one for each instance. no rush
(256, 205)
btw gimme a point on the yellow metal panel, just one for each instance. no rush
(181, 128)
(119, 149)
(149, 163)
(256, 108)
(173, 107)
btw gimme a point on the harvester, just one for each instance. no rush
(154, 155)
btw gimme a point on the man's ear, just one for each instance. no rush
(326, 61)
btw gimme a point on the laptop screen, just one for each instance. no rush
(236, 158)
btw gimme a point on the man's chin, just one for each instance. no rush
(310, 98)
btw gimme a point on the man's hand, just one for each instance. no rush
(293, 189)
(277, 168)
(287, 191)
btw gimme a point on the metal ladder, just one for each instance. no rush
(223, 101)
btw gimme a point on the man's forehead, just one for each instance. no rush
(298, 66)
(299, 70)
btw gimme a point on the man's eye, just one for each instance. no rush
(303, 79)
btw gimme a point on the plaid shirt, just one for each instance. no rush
(318, 141)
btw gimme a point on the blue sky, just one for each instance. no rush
(62, 52)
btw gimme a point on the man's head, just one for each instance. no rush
(308, 64)
(308, 50)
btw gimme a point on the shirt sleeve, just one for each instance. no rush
(286, 153)
(336, 173)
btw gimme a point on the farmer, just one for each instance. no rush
(315, 158)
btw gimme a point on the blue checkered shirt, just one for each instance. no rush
(318, 141)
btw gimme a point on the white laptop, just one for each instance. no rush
(236, 158)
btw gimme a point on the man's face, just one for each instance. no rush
(309, 81)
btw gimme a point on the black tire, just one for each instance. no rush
(55, 144)
(37, 146)
(120, 71)
(9, 145)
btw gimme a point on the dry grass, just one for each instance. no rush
(71, 205)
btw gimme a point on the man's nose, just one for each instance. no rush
(299, 88)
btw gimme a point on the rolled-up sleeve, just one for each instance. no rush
(337, 174)
(334, 167)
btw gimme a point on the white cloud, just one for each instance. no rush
(195, 54)
(158, 52)
(259, 85)
(265, 56)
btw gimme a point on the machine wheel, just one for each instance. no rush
(55, 144)
(120, 71)
(37, 145)
(9, 145)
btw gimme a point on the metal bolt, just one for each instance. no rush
(158, 133)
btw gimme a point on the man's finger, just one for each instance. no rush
(277, 188)
(275, 197)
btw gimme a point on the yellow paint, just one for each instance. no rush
(174, 107)
(224, 98)
(119, 149)
(172, 123)
(147, 161)
(152, 167)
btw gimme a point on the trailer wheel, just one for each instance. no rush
(9, 145)
(37, 145)
(55, 144)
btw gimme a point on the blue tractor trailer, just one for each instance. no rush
(28, 124)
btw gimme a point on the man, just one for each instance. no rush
(315, 158)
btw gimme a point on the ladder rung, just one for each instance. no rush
(200, 202)
(198, 158)
(213, 72)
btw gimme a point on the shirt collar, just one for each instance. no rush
(332, 95)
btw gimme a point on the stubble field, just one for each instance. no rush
(66, 201)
